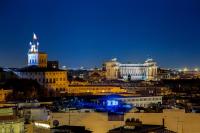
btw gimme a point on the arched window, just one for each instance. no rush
(50, 80)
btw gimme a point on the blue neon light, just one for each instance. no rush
(112, 103)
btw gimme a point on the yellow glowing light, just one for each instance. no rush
(185, 69)
(196, 69)
(42, 125)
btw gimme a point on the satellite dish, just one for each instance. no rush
(55, 123)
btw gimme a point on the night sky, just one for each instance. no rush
(88, 32)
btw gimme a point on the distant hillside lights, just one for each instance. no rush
(145, 71)
(186, 69)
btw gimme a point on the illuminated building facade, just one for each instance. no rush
(145, 71)
(51, 78)
(112, 69)
(141, 101)
(95, 90)
(4, 94)
(36, 58)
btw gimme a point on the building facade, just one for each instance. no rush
(4, 94)
(141, 101)
(10, 122)
(34, 56)
(95, 90)
(146, 71)
(96, 76)
(112, 69)
(51, 78)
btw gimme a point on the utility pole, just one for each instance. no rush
(69, 106)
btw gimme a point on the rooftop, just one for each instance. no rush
(74, 129)
(141, 129)
(38, 69)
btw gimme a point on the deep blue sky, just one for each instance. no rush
(88, 32)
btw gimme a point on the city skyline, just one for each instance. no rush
(91, 32)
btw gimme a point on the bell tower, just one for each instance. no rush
(34, 45)
(36, 58)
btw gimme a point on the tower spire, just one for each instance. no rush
(34, 45)
(34, 36)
